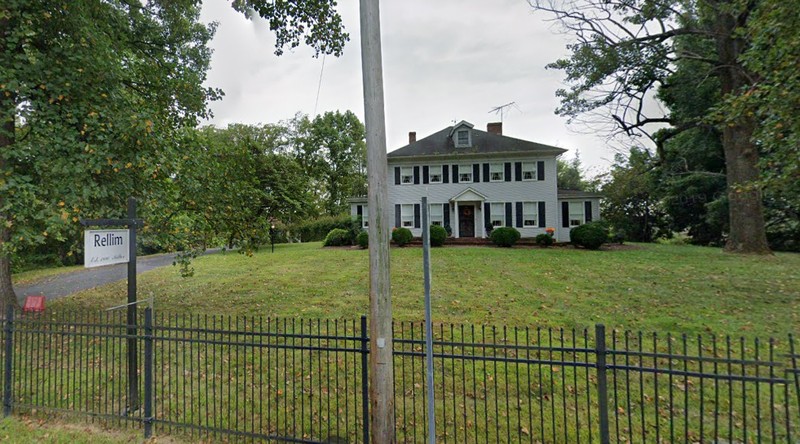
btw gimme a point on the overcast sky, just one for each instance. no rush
(443, 61)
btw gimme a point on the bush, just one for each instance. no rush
(363, 239)
(401, 236)
(438, 235)
(337, 237)
(590, 235)
(317, 229)
(544, 240)
(504, 236)
(618, 237)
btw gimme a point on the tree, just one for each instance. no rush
(626, 51)
(94, 96)
(570, 174)
(333, 150)
(631, 202)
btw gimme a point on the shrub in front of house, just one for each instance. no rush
(362, 239)
(544, 240)
(401, 236)
(316, 229)
(338, 237)
(504, 236)
(438, 235)
(589, 235)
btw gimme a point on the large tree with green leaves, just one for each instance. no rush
(332, 149)
(626, 51)
(94, 96)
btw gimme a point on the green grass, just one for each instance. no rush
(29, 276)
(681, 289)
(27, 430)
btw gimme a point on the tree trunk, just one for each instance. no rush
(746, 212)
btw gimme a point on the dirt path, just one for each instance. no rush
(61, 285)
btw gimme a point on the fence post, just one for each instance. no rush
(602, 382)
(8, 368)
(365, 377)
(148, 373)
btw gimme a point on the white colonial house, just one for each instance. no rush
(474, 179)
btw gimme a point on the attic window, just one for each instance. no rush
(462, 138)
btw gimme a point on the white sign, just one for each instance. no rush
(105, 247)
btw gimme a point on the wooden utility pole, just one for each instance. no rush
(381, 375)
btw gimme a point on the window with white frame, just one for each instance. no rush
(365, 216)
(462, 138)
(407, 215)
(529, 171)
(436, 214)
(575, 214)
(530, 214)
(435, 174)
(406, 175)
(465, 173)
(496, 171)
(498, 213)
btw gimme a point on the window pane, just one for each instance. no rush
(406, 175)
(529, 214)
(435, 174)
(498, 214)
(408, 216)
(463, 137)
(528, 171)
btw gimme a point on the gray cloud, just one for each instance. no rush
(443, 60)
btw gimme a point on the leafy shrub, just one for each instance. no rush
(401, 236)
(590, 235)
(618, 237)
(438, 235)
(363, 239)
(544, 240)
(504, 236)
(337, 237)
(316, 229)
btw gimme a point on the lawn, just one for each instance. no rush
(680, 289)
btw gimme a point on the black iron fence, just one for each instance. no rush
(290, 380)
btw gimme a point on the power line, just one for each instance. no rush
(319, 85)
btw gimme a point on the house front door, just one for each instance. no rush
(466, 221)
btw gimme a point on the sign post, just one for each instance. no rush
(105, 247)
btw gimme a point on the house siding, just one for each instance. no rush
(509, 192)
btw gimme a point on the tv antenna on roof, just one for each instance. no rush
(500, 109)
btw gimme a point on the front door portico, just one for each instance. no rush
(466, 221)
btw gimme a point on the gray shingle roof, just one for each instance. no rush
(440, 144)
(577, 194)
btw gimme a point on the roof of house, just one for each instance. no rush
(577, 194)
(441, 144)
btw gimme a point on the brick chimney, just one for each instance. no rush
(412, 137)
(495, 128)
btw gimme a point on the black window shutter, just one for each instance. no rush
(487, 214)
(587, 209)
(446, 173)
(446, 212)
(540, 170)
(455, 173)
(519, 214)
(416, 215)
(565, 214)
(476, 172)
(397, 215)
(425, 174)
(517, 171)
(397, 175)
(359, 210)
(542, 215)
(508, 172)
(416, 175)
(485, 172)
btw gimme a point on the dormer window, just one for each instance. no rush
(462, 138)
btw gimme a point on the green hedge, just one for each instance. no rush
(337, 238)
(590, 235)
(438, 235)
(401, 236)
(316, 229)
(504, 236)
(362, 239)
